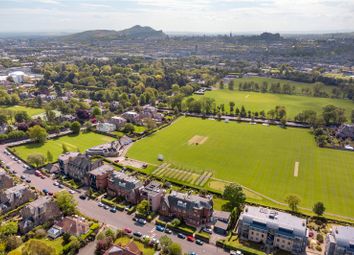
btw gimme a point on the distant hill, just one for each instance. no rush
(133, 33)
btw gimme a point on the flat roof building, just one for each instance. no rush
(340, 241)
(272, 228)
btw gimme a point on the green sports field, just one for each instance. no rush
(258, 157)
(31, 111)
(256, 101)
(80, 142)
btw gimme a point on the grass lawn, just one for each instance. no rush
(256, 101)
(56, 244)
(258, 157)
(31, 111)
(82, 142)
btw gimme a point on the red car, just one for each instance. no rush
(127, 230)
(190, 238)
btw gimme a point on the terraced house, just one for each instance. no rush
(77, 166)
(276, 230)
(192, 209)
(122, 185)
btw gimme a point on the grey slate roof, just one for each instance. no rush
(187, 201)
(125, 181)
(102, 169)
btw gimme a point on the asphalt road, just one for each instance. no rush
(118, 220)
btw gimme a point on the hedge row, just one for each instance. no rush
(205, 237)
(112, 204)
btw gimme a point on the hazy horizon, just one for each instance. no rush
(179, 16)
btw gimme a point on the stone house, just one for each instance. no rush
(38, 212)
(13, 197)
(194, 210)
(122, 185)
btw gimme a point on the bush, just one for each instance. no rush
(40, 233)
(320, 238)
(318, 248)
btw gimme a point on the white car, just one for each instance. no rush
(56, 183)
(71, 192)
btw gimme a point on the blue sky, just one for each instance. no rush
(205, 16)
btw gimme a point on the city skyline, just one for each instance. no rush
(181, 16)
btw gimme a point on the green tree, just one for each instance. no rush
(36, 159)
(129, 128)
(150, 123)
(293, 202)
(175, 249)
(143, 207)
(176, 222)
(37, 134)
(319, 208)
(352, 117)
(234, 194)
(22, 116)
(75, 127)
(37, 247)
(3, 119)
(66, 202)
(165, 242)
(233, 218)
(12, 242)
(221, 86)
(96, 111)
(8, 228)
(49, 156)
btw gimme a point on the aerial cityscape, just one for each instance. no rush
(176, 127)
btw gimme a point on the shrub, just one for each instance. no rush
(320, 238)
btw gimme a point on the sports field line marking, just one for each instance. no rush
(296, 169)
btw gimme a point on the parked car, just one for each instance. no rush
(141, 221)
(50, 193)
(113, 210)
(138, 234)
(199, 242)
(23, 177)
(60, 186)
(180, 235)
(237, 252)
(127, 230)
(106, 207)
(45, 191)
(168, 231)
(28, 181)
(56, 183)
(71, 192)
(160, 228)
(83, 197)
(37, 173)
(100, 204)
(192, 253)
(190, 238)
(208, 230)
(42, 176)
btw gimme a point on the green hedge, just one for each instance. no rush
(205, 237)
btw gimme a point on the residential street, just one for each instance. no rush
(118, 220)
